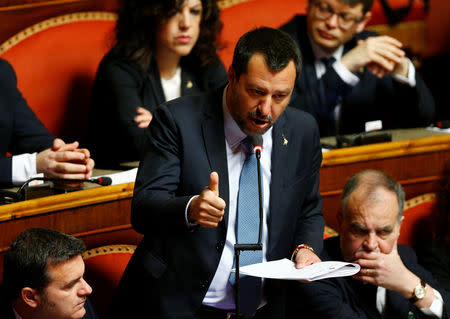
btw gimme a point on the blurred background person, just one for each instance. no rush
(34, 150)
(164, 49)
(352, 76)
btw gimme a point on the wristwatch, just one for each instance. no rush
(418, 292)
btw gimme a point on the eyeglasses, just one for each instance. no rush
(345, 20)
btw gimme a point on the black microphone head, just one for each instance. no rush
(105, 180)
(256, 140)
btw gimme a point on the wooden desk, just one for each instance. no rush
(101, 215)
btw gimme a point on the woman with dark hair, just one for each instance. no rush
(164, 49)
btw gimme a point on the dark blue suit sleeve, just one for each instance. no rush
(21, 130)
(155, 205)
(310, 224)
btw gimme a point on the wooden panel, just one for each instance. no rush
(99, 216)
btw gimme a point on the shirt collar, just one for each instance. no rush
(319, 53)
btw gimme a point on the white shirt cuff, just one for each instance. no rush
(346, 76)
(411, 79)
(23, 167)
(437, 307)
(188, 223)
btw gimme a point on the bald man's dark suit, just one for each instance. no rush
(171, 270)
(20, 129)
(342, 298)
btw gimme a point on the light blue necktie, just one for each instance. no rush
(247, 228)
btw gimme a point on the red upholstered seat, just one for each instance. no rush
(416, 219)
(104, 268)
(55, 62)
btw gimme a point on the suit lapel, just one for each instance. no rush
(188, 83)
(309, 76)
(279, 170)
(155, 84)
(396, 305)
(214, 141)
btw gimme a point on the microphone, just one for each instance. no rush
(257, 142)
(102, 181)
(443, 124)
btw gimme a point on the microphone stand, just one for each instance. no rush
(245, 247)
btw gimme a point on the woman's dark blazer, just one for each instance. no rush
(120, 87)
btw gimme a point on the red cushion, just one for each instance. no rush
(416, 218)
(104, 268)
(56, 67)
(242, 17)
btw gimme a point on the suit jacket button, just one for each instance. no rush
(219, 246)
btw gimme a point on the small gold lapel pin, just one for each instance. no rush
(285, 141)
(189, 84)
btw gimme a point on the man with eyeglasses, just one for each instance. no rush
(352, 78)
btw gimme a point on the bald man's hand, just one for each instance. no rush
(208, 208)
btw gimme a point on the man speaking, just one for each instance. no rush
(191, 198)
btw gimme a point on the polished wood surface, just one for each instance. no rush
(101, 215)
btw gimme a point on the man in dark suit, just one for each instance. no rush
(391, 283)
(181, 268)
(34, 150)
(43, 277)
(370, 80)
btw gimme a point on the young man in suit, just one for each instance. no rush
(391, 283)
(34, 150)
(186, 194)
(370, 80)
(43, 278)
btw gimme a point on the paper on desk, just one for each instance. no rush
(285, 269)
(123, 177)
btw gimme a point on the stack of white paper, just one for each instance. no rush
(285, 269)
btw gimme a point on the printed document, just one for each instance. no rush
(285, 269)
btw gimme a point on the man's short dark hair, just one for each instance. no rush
(373, 179)
(276, 46)
(26, 262)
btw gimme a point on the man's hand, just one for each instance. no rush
(143, 118)
(65, 161)
(381, 55)
(208, 208)
(305, 257)
(385, 270)
(388, 271)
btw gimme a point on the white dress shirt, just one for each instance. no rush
(220, 293)
(172, 86)
(23, 168)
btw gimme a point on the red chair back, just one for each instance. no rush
(56, 61)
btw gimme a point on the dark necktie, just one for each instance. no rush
(367, 298)
(328, 62)
(247, 228)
